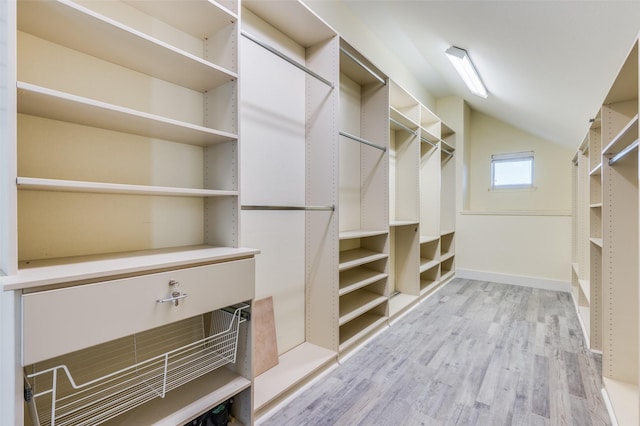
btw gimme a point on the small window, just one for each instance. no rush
(512, 170)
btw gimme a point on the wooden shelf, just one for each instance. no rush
(596, 241)
(397, 223)
(446, 275)
(624, 138)
(84, 30)
(400, 302)
(38, 184)
(428, 286)
(355, 330)
(356, 257)
(446, 256)
(55, 105)
(424, 239)
(362, 233)
(597, 170)
(201, 19)
(356, 72)
(624, 400)
(353, 279)
(596, 205)
(36, 273)
(576, 269)
(294, 366)
(426, 264)
(585, 287)
(403, 119)
(187, 402)
(429, 135)
(584, 312)
(356, 303)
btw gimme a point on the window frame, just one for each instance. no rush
(512, 157)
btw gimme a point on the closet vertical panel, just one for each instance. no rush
(322, 190)
(8, 171)
(273, 174)
(374, 163)
(349, 156)
(430, 177)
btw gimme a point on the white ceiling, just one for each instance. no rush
(547, 64)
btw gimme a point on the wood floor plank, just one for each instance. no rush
(474, 353)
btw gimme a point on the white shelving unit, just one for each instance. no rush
(126, 188)
(289, 185)
(404, 198)
(363, 195)
(606, 237)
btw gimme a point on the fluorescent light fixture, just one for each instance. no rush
(461, 62)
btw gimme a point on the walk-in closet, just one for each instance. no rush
(216, 211)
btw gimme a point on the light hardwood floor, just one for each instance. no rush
(475, 353)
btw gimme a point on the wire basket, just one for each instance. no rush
(94, 385)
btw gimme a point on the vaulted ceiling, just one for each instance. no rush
(547, 64)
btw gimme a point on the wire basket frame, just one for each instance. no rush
(157, 361)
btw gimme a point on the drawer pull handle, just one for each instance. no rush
(175, 294)
(173, 298)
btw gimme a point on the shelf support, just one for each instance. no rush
(288, 59)
(362, 141)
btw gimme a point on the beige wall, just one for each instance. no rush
(552, 171)
(527, 247)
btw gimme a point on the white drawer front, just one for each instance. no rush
(57, 322)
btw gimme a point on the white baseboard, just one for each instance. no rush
(521, 280)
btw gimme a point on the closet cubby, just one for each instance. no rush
(404, 196)
(605, 271)
(114, 167)
(404, 263)
(363, 285)
(289, 193)
(363, 181)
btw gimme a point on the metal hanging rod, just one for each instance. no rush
(433, 144)
(619, 156)
(363, 66)
(450, 153)
(288, 59)
(408, 129)
(294, 208)
(363, 141)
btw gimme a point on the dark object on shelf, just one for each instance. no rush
(218, 416)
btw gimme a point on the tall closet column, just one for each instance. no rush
(289, 172)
